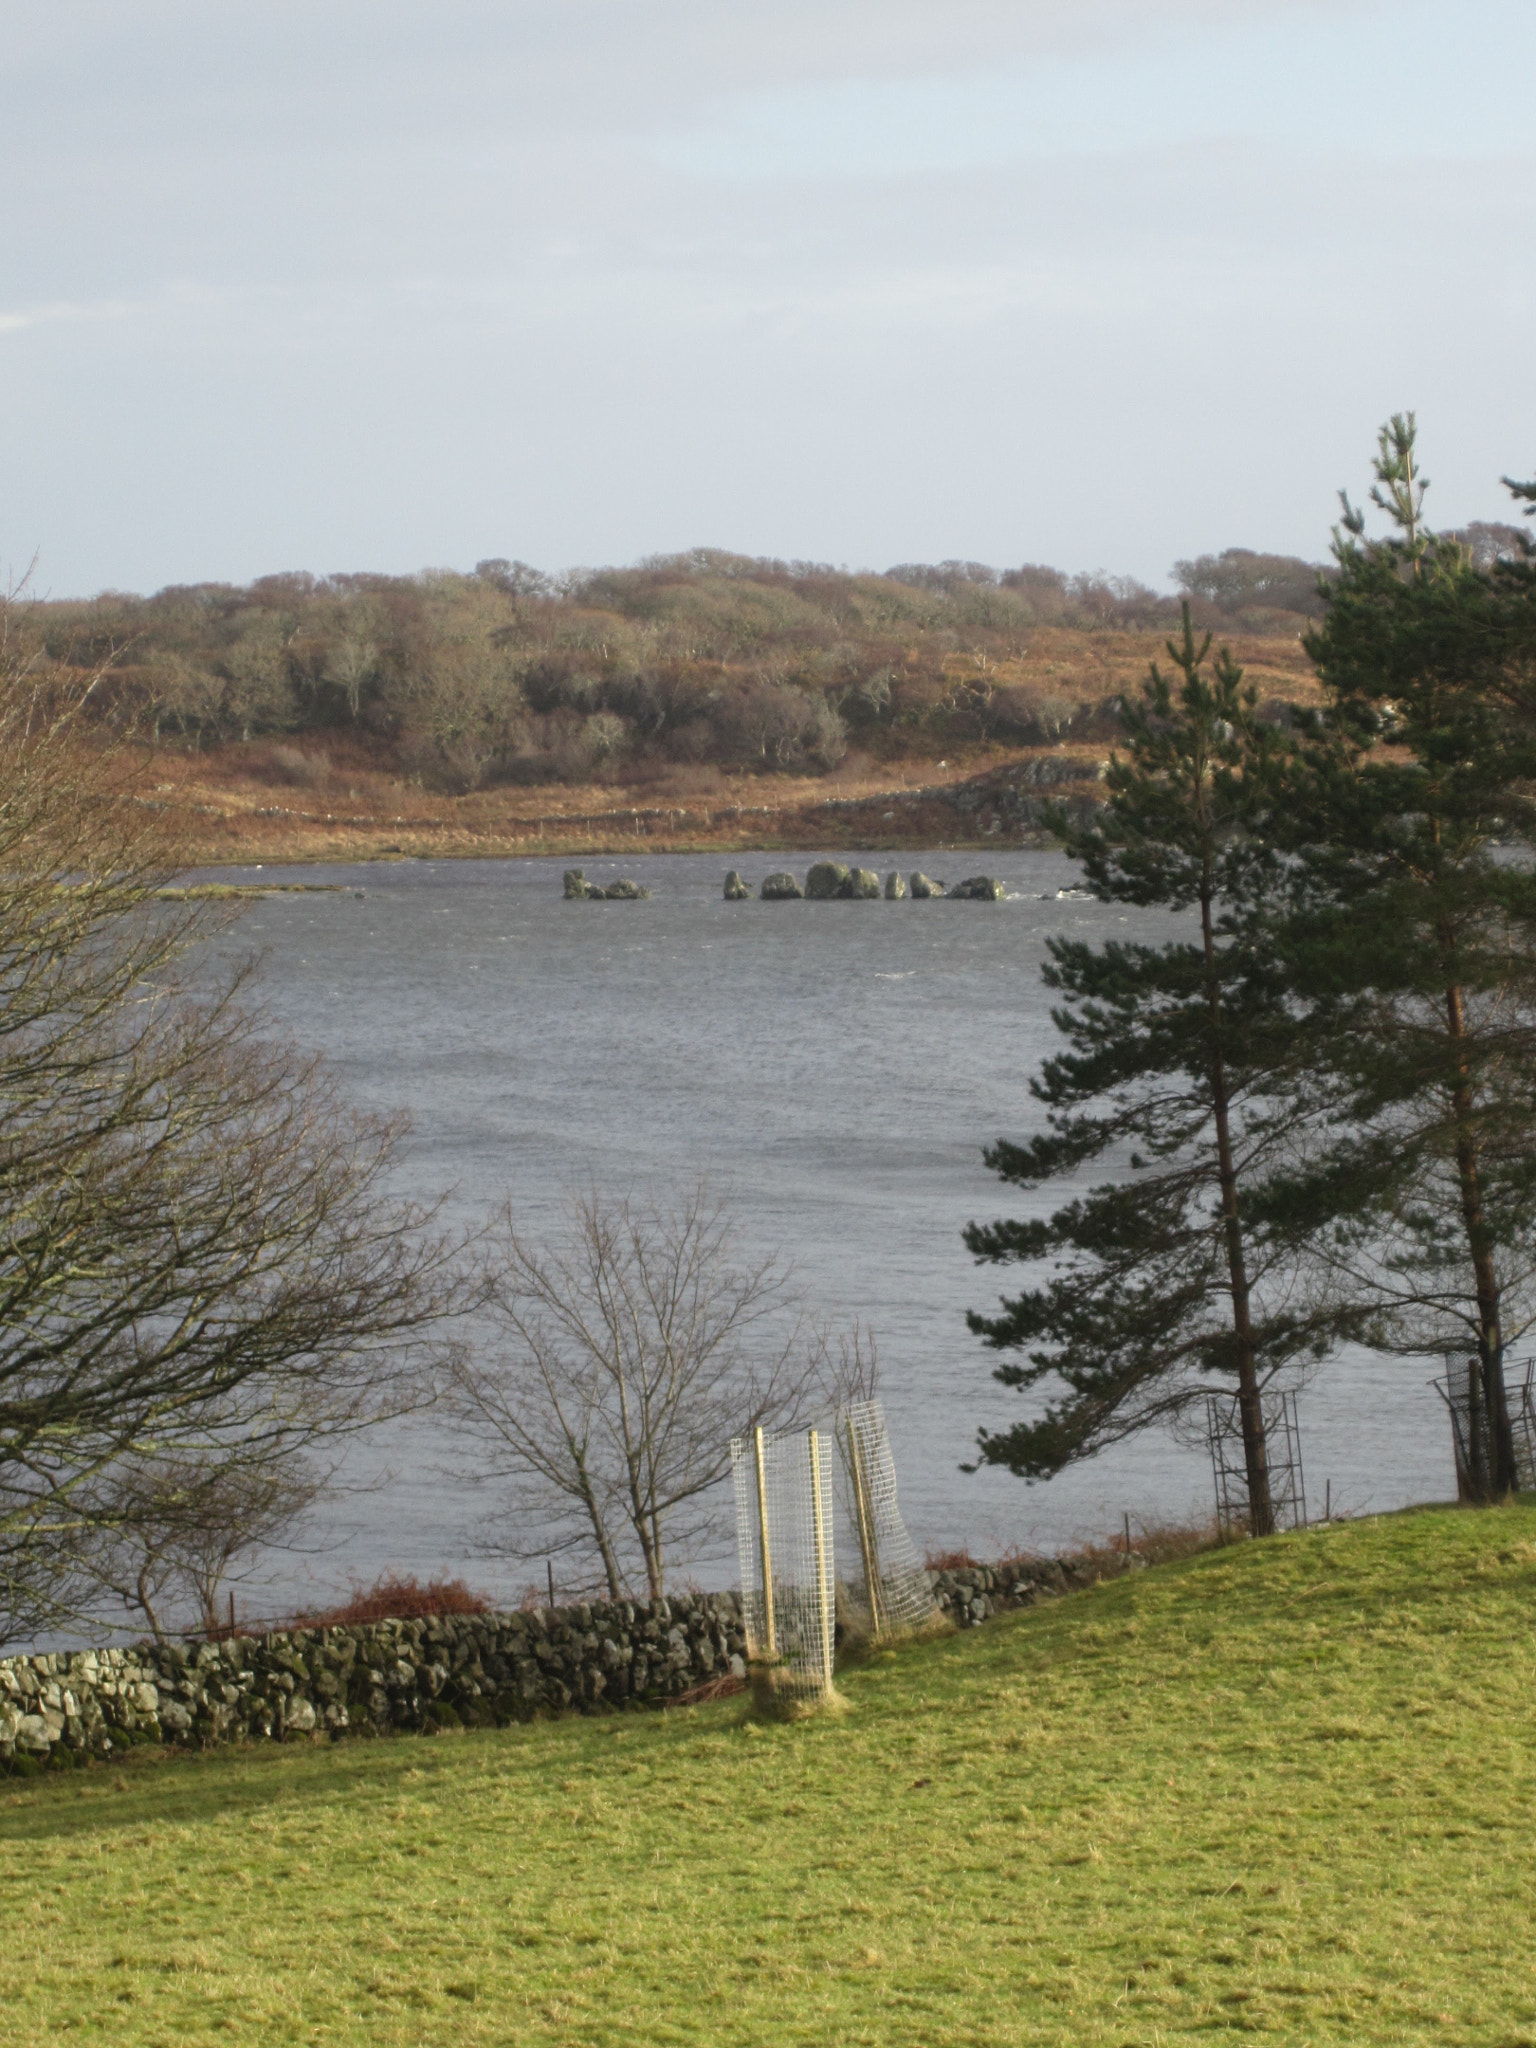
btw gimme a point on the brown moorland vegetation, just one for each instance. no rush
(697, 701)
(396, 1598)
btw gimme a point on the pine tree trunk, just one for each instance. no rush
(1487, 1385)
(1261, 1510)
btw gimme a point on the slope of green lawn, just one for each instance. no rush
(1286, 1789)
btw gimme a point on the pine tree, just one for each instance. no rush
(1421, 935)
(1183, 1074)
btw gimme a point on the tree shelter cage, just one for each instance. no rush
(895, 1596)
(785, 1537)
(786, 1515)
(1463, 1394)
(1229, 1463)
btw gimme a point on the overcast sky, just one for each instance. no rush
(352, 284)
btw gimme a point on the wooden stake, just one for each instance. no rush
(550, 1572)
(1127, 1532)
(770, 1645)
(819, 1524)
(867, 1547)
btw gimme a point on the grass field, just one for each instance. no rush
(1286, 1789)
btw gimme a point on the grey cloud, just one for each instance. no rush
(342, 286)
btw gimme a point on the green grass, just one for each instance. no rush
(1287, 1789)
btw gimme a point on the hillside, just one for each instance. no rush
(1286, 1789)
(338, 793)
(700, 700)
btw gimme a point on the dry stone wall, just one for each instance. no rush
(974, 1593)
(380, 1678)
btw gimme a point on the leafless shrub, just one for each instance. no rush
(180, 1529)
(291, 766)
(636, 1347)
(395, 1598)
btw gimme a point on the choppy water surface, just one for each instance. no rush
(834, 1068)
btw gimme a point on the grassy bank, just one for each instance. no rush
(1286, 1789)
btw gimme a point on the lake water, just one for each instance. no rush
(833, 1068)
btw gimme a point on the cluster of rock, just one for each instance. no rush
(445, 1671)
(579, 890)
(830, 881)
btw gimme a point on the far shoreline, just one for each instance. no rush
(1007, 803)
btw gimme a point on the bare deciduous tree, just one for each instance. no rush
(199, 1253)
(185, 1527)
(636, 1348)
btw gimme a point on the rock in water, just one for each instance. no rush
(623, 892)
(862, 885)
(780, 888)
(895, 887)
(922, 887)
(736, 890)
(577, 887)
(978, 889)
(826, 880)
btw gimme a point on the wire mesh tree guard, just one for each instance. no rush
(784, 1537)
(1462, 1392)
(895, 1595)
(1229, 1464)
(786, 1543)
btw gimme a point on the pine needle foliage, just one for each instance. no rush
(1410, 816)
(1181, 1074)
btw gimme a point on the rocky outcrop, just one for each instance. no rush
(923, 888)
(736, 890)
(780, 888)
(579, 890)
(895, 887)
(831, 880)
(978, 889)
(447, 1671)
(825, 881)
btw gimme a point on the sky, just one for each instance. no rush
(373, 284)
